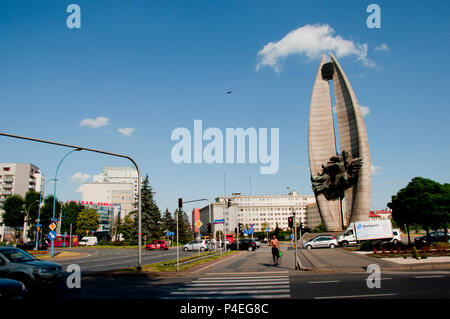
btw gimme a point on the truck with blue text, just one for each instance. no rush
(370, 230)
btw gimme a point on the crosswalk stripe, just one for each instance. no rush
(235, 288)
(234, 284)
(232, 292)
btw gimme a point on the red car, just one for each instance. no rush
(157, 244)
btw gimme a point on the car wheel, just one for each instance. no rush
(185, 249)
(202, 249)
(344, 244)
(332, 246)
(395, 241)
(249, 248)
(309, 247)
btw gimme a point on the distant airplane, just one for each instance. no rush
(229, 92)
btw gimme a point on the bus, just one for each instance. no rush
(64, 241)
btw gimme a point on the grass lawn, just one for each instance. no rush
(171, 265)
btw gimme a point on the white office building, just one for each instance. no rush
(115, 185)
(259, 211)
(17, 179)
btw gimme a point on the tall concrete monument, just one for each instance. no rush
(345, 178)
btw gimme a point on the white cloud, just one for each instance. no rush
(382, 47)
(94, 123)
(312, 41)
(80, 190)
(127, 131)
(364, 110)
(376, 169)
(80, 177)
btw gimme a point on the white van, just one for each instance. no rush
(88, 241)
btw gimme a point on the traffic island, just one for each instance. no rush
(45, 255)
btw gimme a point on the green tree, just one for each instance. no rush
(88, 220)
(14, 211)
(31, 204)
(126, 227)
(71, 211)
(47, 213)
(424, 202)
(168, 221)
(150, 215)
(185, 233)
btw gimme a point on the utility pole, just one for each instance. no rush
(180, 207)
(295, 238)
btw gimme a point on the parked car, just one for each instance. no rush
(19, 265)
(322, 241)
(31, 245)
(257, 242)
(244, 244)
(157, 244)
(88, 241)
(435, 236)
(11, 289)
(196, 245)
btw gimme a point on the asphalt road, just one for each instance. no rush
(104, 259)
(252, 275)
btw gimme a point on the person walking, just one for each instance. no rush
(275, 249)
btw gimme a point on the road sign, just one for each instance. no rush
(52, 235)
(219, 221)
(38, 225)
(291, 236)
(198, 224)
(267, 229)
(170, 233)
(52, 226)
(53, 220)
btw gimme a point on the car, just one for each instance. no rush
(435, 236)
(31, 245)
(157, 244)
(19, 265)
(244, 244)
(11, 289)
(196, 245)
(322, 241)
(88, 241)
(257, 242)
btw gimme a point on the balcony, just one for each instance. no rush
(6, 193)
(7, 186)
(8, 179)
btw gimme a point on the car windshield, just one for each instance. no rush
(17, 255)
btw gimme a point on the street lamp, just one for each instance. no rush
(39, 211)
(54, 192)
(27, 213)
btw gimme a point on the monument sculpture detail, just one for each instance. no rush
(336, 176)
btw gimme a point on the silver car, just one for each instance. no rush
(323, 241)
(19, 265)
(196, 245)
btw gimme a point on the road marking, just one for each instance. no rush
(425, 277)
(232, 292)
(323, 282)
(241, 280)
(226, 278)
(234, 284)
(233, 297)
(355, 296)
(248, 273)
(285, 286)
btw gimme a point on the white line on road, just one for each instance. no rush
(355, 296)
(232, 297)
(323, 282)
(425, 277)
(233, 292)
(256, 277)
(232, 288)
(241, 280)
(236, 284)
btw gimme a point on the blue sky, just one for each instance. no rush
(154, 66)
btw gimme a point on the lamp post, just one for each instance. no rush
(27, 213)
(39, 211)
(54, 192)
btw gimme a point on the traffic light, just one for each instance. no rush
(180, 203)
(229, 203)
(291, 222)
(209, 228)
(240, 227)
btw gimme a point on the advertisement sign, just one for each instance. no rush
(373, 229)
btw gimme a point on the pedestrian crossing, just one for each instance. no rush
(236, 287)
